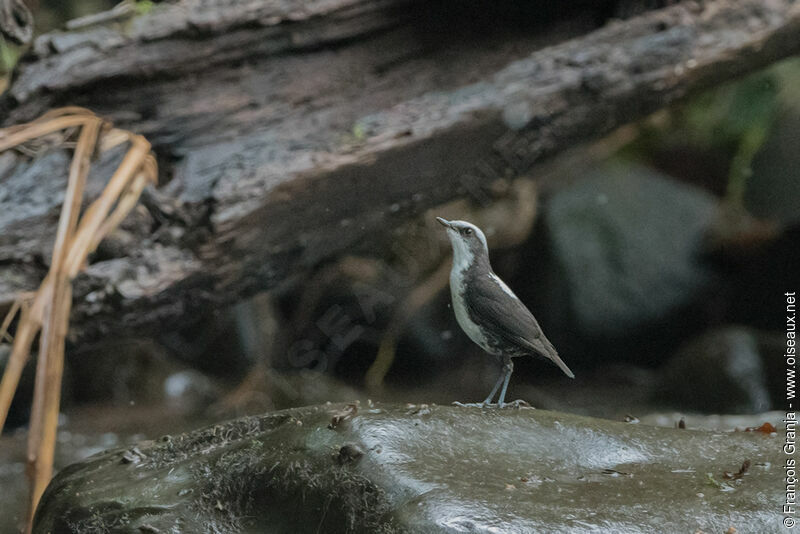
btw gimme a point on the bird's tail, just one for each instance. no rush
(550, 352)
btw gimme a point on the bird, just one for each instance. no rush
(488, 311)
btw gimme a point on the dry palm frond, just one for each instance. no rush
(46, 312)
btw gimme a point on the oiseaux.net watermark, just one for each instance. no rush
(790, 439)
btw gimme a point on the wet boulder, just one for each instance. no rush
(620, 271)
(391, 468)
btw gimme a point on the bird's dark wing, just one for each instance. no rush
(508, 318)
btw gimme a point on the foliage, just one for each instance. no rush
(143, 7)
(735, 119)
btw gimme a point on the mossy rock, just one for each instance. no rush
(390, 468)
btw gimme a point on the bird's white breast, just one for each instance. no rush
(459, 307)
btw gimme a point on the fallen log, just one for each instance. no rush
(288, 134)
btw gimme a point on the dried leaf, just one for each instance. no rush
(766, 428)
(739, 474)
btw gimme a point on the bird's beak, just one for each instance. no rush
(444, 222)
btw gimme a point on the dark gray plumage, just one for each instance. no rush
(487, 310)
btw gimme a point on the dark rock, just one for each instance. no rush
(127, 371)
(757, 278)
(444, 469)
(622, 263)
(772, 347)
(773, 190)
(20, 409)
(719, 372)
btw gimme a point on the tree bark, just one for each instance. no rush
(288, 132)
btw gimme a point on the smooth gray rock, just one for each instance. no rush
(423, 468)
(623, 258)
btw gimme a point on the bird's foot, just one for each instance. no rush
(474, 404)
(517, 404)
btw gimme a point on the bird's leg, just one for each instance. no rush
(508, 368)
(488, 401)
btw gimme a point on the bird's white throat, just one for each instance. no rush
(462, 255)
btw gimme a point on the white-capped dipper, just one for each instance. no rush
(488, 311)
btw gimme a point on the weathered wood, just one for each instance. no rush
(289, 134)
(194, 36)
(16, 22)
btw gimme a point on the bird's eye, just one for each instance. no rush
(467, 231)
